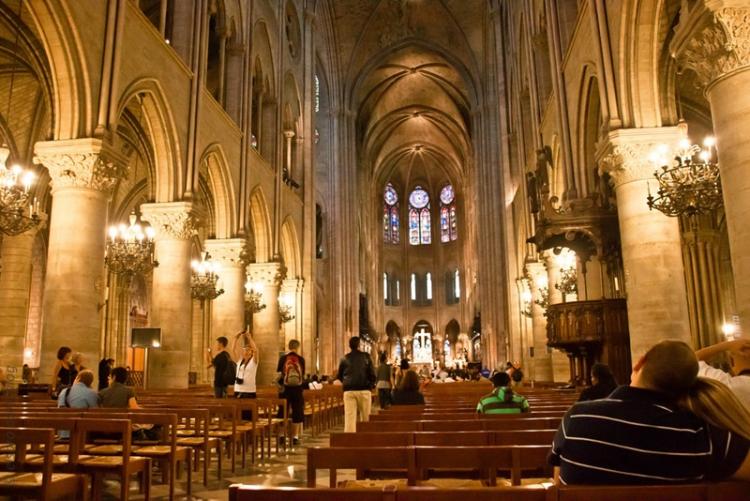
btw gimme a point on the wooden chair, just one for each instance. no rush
(17, 482)
(260, 493)
(721, 491)
(522, 437)
(193, 433)
(521, 493)
(372, 439)
(359, 458)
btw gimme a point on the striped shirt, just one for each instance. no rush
(637, 436)
(498, 402)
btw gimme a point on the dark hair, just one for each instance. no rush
(410, 382)
(120, 375)
(314, 378)
(222, 341)
(382, 357)
(670, 367)
(354, 342)
(110, 361)
(293, 344)
(603, 374)
(500, 379)
(62, 352)
(404, 364)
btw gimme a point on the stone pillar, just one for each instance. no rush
(228, 310)
(590, 284)
(542, 357)
(553, 277)
(15, 286)
(291, 293)
(650, 241)
(83, 172)
(713, 40)
(266, 328)
(168, 365)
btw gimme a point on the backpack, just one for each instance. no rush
(517, 375)
(66, 399)
(230, 373)
(292, 375)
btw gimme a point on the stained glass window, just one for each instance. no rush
(316, 91)
(390, 216)
(448, 214)
(420, 218)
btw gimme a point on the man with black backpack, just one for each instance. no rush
(224, 368)
(291, 368)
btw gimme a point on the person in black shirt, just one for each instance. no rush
(407, 392)
(291, 369)
(105, 368)
(220, 361)
(603, 383)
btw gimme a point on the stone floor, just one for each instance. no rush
(280, 470)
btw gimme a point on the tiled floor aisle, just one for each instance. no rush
(281, 470)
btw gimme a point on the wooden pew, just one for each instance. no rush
(17, 482)
(359, 458)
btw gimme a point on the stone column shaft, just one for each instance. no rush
(169, 364)
(542, 358)
(650, 241)
(266, 328)
(15, 284)
(228, 310)
(83, 172)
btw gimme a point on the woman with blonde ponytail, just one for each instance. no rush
(714, 402)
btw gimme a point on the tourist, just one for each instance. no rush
(247, 354)
(502, 400)
(291, 369)
(80, 395)
(117, 394)
(738, 352)
(220, 360)
(315, 384)
(602, 383)
(385, 381)
(77, 362)
(105, 368)
(641, 436)
(407, 393)
(27, 375)
(358, 377)
(62, 372)
(403, 366)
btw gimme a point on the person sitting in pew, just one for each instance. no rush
(79, 395)
(502, 400)
(603, 383)
(407, 392)
(738, 354)
(118, 395)
(640, 435)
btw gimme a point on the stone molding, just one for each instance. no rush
(172, 221)
(270, 274)
(625, 156)
(81, 163)
(230, 252)
(292, 285)
(713, 41)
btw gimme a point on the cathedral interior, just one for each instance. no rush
(454, 181)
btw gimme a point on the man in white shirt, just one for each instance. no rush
(739, 361)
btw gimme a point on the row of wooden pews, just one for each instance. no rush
(196, 431)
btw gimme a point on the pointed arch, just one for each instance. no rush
(260, 221)
(216, 166)
(290, 250)
(168, 182)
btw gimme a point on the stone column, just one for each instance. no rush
(83, 172)
(650, 241)
(15, 286)
(228, 310)
(713, 40)
(266, 328)
(291, 293)
(542, 358)
(553, 277)
(169, 364)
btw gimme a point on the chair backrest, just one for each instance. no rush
(362, 458)
(455, 438)
(21, 438)
(520, 493)
(693, 492)
(120, 427)
(261, 493)
(373, 439)
(522, 437)
(57, 422)
(380, 426)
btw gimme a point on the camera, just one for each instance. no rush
(238, 380)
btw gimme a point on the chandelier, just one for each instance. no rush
(204, 279)
(285, 310)
(130, 249)
(254, 297)
(691, 185)
(18, 213)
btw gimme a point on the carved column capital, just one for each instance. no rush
(172, 220)
(268, 274)
(713, 39)
(229, 252)
(625, 155)
(81, 163)
(292, 285)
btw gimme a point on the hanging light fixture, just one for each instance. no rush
(204, 279)
(130, 249)
(254, 297)
(285, 310)
(18, 211)
(691, 185)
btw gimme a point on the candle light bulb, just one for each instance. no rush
(709, 142)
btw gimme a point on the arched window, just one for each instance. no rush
(390, 216)
(316, 92)
(448, 218)
(420, 223)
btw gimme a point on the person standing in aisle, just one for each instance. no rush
(358, 377)
(220, 360)
(291, 369)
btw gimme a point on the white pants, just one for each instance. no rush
(356, 408)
